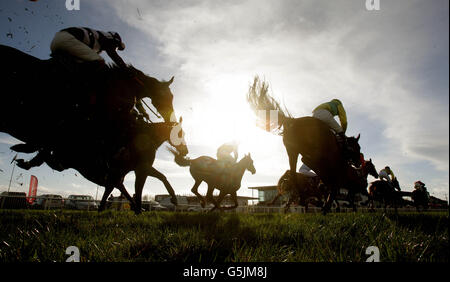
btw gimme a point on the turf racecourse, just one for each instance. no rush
(43, 236)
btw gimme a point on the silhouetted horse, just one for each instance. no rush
(381, 191)
(311, 138)
(138, 156)
(306, 190)
(44, 102)
(420, 199)
(226, 179)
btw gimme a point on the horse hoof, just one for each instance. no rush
(22, 164)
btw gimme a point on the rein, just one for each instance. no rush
(143, 85)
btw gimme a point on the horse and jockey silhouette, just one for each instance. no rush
(313, 139)
(88, 118)
(223, 174)
(309, 189)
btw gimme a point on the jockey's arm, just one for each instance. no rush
(342, 117)
(116, 58)
(392, 175)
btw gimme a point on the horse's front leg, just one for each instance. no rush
(108, 190)
(293, 158)
(155, 173)
(331, 196)
(141, 176)
(196, 193)
(210, 198)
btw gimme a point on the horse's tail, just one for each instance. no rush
(260, 100)
(179, 159)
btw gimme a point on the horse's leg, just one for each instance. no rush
(219, 200)
(288, 204)
(35, 161)
(210, 198)
(196, 193)
(293, 158)
(155, 173)
(275, 199)
(234, 198)
(327, 206)
(141, 176)
(108, 190)
(124, 191)
(352, 200)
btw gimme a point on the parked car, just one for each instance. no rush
(80, 202)
(195, 208)
(48, 201)
(13, 200)
(152, 205)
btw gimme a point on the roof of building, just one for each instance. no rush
(264, 188)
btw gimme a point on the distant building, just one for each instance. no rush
(266, 194)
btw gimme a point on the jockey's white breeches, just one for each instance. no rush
(383, 175)
(67, 43)
(328, 118)
(304, 169)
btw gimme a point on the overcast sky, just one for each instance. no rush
(388, 67)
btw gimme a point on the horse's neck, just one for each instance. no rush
(239, 169)
(157, 134)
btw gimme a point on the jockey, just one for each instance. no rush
(419, 185)
(326, 113)
(224, 153)
(385, 173)
(86, 44)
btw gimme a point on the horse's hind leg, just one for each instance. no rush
(219, 201)
(196, 193)
(124, 191)
(210, 198)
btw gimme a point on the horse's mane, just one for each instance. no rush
(260, 100)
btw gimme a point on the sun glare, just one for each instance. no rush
(226, 116)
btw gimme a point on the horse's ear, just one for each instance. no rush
(370, 159)
(357, 138)
(170, 81)
(249, 155)
(181, 119)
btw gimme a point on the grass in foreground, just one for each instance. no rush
(43, 236)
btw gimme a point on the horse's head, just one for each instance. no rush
(176, 137)
(247, 160)
(160, 94)
(370, 168)
(354, 150)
